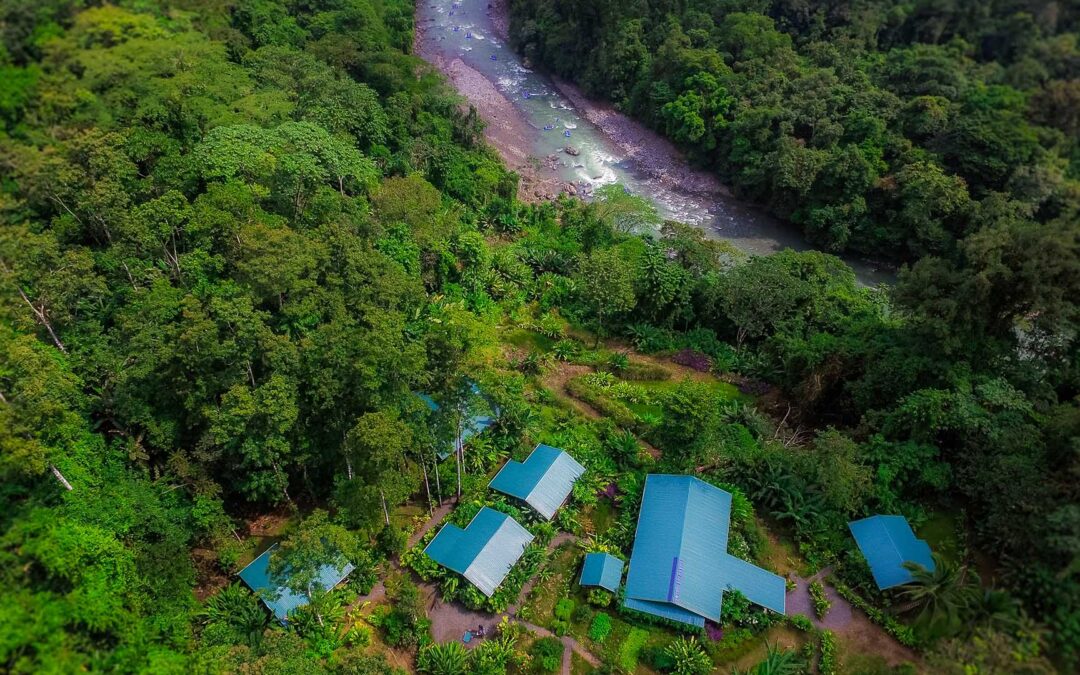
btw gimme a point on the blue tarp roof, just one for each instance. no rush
(887, 542)
(484, 551)
(680, 568)
(602, 569)
(543, 480)
(257, 576)
(472, 425)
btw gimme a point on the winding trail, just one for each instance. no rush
(851, 625)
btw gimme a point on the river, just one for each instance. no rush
(533, 120)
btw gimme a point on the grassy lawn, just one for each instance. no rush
(940, 532)
(557, 577)
(528, 340)
(751, 652)
(724, 390)
(641, 409)
(579, 666)
(407, 516)
(602, 516)
(780, 555)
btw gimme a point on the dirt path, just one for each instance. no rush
(556, 541)
(854, 629)
(436, 518)
(556, 379)
(569, 644)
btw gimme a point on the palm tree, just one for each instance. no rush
(777, 662)
(943, 598)
(237, 608)
(689, 657)
(624, 445)
(445, 659)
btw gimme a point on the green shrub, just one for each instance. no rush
(600, 628)
(560, 627)
(820, 600)
(546, 655)
(638, 370)
(358, 636)
(657, 657)
(828, 663)
(630, 649)
(801, 622)
(564, 609)
(582, 613)
(600, 597)
(617, 411)
(392, 540)
(565, 350)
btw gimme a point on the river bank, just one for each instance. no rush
(505, 127)
(559, 140)
(651, 153)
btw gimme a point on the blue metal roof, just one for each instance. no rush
(471, 426)
(887, 542)
(484, 551)
(281, 600)
(680, 557)
(543, 480)
(666, 611)
(602, 569)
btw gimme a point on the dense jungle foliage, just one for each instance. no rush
(894, 128)
(237, 235)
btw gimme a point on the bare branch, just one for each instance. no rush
(60, 477)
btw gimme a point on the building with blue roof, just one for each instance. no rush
(887, 542)
(484, 551)
(543, 480)
(603, 570)
(680, 567)
(280, 600)
(469, 424)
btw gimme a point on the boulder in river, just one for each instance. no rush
(572, 151)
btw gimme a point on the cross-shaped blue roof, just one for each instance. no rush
(680, 567)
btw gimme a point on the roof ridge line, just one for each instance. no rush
(892, 542)
(674, 592)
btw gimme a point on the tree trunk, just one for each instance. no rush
(460, 447)
(386, 514)
(311, 602)
(348, 467)
(284, 484)
(460, 461)
(438, 485)
(427, 485)
(60, 477)
(39, 313)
